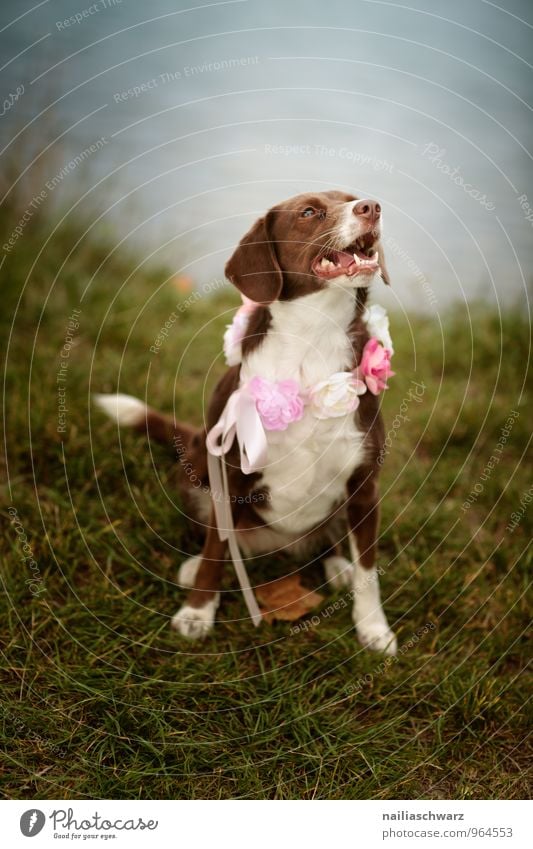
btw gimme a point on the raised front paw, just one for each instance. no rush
(195, 622)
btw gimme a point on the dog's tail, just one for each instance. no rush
(128, 411)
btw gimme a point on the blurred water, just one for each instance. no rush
(245, 103)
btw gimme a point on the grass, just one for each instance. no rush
(101, 699)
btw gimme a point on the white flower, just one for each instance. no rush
(336, 396)
(377, 322)
(234, 335)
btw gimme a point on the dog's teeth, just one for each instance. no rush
(375, 257)
(357, 260)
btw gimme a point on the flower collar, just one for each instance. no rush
(279, 403)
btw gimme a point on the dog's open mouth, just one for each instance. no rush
(350, 261)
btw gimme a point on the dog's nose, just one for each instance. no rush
(370, 210)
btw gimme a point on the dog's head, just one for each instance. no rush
(307, 243)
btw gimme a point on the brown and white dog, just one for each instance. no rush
(308, 264)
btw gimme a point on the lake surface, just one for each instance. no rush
(203, 115)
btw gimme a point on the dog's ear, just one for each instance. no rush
(254, 267)
(383, 265)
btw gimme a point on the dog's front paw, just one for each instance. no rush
(195, 622)
(339, 571)
(377, 636)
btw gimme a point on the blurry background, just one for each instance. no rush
(211, 112)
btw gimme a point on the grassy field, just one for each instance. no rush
(101, 699)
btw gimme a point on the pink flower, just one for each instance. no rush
(277, 403)
(375, 366)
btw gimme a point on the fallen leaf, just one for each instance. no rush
(286, 599)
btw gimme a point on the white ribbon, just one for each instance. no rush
(241, 419)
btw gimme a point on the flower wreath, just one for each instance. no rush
(279, 403)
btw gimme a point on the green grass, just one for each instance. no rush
(101, 699)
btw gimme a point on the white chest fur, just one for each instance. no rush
(310, 462)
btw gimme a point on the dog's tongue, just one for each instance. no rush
(344, 259)
(353, 263)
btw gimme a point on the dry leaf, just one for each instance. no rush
(286, 599)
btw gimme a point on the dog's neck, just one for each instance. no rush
(306, 339)
(314, 314)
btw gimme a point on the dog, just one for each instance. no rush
(304, 270)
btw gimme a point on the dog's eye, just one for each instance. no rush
(308, 212)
